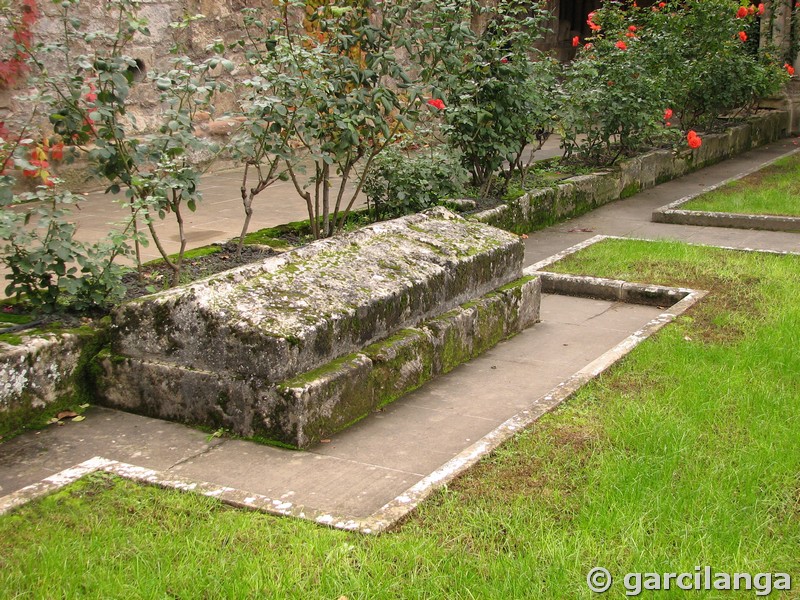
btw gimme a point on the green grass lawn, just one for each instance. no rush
(774, 190)
(687, 453)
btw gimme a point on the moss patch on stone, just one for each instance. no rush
(349, 388)
(70, 391)
(630, 189)
(11, 339)
(14, 319)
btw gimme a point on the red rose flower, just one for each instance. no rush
(741, 13)
(575, 41)
(632, 28)
(761, 9)
(57, 151)
(743, 36)
(668, 114)
(789, 69)
(92, 95)
(621, 45)
(693, 139)
(436, 103)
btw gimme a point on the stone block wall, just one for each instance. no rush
(41, 370)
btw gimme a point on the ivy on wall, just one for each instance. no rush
(14, 68)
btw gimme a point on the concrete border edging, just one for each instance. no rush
(672, 213)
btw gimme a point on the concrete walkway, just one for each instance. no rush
(219, 215)
(420, 439)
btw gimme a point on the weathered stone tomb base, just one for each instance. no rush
(297, 347)
(305, 409)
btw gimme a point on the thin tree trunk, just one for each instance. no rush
(486, 185)
(307, 197)
(247, 201)
(361, 181)
(157, 242)
(317, 183)
(176, 275)
(326, 192)
(339, 195)
(136, 245)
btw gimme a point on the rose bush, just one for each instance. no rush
(498, 92)
(612, 102)
(401, 183)
(700, 49)
(692, 56)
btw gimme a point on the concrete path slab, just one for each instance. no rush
(121, 436)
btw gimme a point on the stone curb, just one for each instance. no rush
(672, 213)
(577, 195)
(40, 371)
(540, 267)
(228, 495)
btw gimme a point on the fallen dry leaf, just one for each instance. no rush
(78, 418)
(66, 414)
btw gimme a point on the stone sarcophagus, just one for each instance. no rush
(295, 347)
